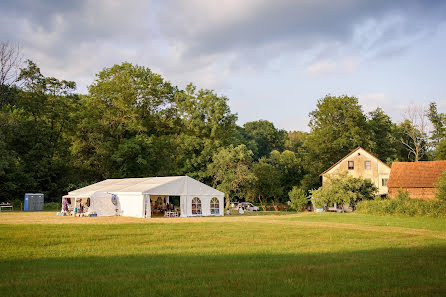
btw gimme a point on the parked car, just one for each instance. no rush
(248, 206)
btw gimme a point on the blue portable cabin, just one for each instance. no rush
(33, 202)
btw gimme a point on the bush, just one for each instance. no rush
(56, 206)
(441, 187)
(343, 189)
(299, 200)
(403, 205)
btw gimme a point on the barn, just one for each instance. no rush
(417, 178)
(144, 198)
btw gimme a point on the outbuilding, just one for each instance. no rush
(417, 178)
(145, 197)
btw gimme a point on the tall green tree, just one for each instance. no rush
(265, 136)
(231, 171)
(338, 125)
(127, 110)
(35, 132)
(267, 187)
(385, 143)
(207, 125)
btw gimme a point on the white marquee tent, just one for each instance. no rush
(135, 197)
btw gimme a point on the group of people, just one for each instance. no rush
(160, 208)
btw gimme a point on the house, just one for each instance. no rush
(417, 178)
(360, 163)
(145, 197)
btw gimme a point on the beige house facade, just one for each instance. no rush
(360, 163)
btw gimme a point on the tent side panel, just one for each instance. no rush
(131, 205)
(183, 205)
(186, 205)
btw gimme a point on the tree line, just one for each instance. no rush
(134, 123)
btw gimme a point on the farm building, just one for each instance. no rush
(360, 163)
(417, 178)
(145, 197)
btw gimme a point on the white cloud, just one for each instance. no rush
(326, 67)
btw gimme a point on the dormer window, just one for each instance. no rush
(351, 165)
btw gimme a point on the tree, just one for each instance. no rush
(295, 140)
(440, 152)
(122, 123)
(299, 199)
(441, 187)
(289, 168)
(267, 186)
(338, 125)
(438, 121)
(206, 125)
(438, 133)
(415, 129)
(343, 189)
(230, 171)
(35, 133)
(10, 61)
(265, 136)
(385, 142)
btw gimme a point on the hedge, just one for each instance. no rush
(405, 207)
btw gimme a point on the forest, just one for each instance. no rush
(133, 122)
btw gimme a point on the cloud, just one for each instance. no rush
(210, 41)
(326, 67)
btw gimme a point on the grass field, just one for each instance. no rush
(288, 255)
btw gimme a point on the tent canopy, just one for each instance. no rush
(169, 185)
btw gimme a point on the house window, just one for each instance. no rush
(385, 181)
(367, 165)
(351, 165)
(215, 206)
(196, 206)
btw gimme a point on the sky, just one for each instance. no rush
(273, 59)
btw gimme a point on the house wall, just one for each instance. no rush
(415, 193)
(376, 174)
(186, 205)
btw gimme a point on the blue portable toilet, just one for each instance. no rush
(33, 202)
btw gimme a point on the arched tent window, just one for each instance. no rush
(196, 206)
(215, 206)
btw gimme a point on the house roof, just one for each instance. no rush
(168, 185)
(421, 174)
(349, 154)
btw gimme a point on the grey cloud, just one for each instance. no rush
(301, 24)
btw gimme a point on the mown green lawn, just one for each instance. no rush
(290, 255)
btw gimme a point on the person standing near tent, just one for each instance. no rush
(241, 210)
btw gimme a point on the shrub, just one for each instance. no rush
(343, 189)
(441, 187)
(299, 200)
(403, 205)
(57, 206)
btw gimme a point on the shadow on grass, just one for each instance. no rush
(383, 272)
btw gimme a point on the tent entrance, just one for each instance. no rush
(165, 205)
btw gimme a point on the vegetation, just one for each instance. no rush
(343, 189)
(229, 256)
(403, 205)
(133, 122)
(441, 188)
(299, 199)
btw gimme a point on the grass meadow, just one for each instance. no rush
(309, 254)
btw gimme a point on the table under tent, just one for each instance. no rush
(145, 197)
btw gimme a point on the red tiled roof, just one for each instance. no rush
(421, 174)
